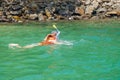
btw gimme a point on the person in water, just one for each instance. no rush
(51, 38)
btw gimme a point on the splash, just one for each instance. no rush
(64, 42)
(15, 45)
(31, 45)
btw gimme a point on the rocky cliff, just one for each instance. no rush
(43, 10)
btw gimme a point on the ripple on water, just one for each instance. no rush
(30, 77)
(94, 54)
(64, 72)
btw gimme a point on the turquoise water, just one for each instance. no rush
(94, 55)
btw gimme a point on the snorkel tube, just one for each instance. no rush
(55, 27)
(58, 32)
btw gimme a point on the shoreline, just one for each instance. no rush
(60, 21)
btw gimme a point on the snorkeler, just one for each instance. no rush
(51, 38)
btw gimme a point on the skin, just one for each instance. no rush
(49, 39)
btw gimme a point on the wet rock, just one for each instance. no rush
(16, 7)
(105, 0)
(86, 16)
(16, 19)
(3, 18)
(25, 16)
(88, 2)
(71, 7)
(41, 17)
(1, 13)
(89, 9)
(33, 7)
(1, 8)
(63, 12)
(115, 1)
(108, 4)
(116, 6)
(79, 10)
(16, 12)
(42, 10)
(95, 18)
(101, 15)
(59, 17)
(113, 13)
(95, 4)
(101, 10)
(33, 16)
(99, 1)
(48, 13)
(75, 18)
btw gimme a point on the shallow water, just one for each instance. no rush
(94, 55)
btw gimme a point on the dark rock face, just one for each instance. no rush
(43, 10)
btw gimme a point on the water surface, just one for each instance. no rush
(94, 55)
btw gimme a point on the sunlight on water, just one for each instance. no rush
(86, 51)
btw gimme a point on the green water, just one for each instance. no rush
(94, 55)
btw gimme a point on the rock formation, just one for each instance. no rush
(42, 10)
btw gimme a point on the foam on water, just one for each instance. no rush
(64, 42)
(31, 45)
(16, 45)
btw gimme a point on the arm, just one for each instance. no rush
(46, 37)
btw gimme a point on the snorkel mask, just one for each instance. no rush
(54, 32)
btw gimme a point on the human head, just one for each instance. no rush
(54, 32)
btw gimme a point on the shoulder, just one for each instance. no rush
(48, 34)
